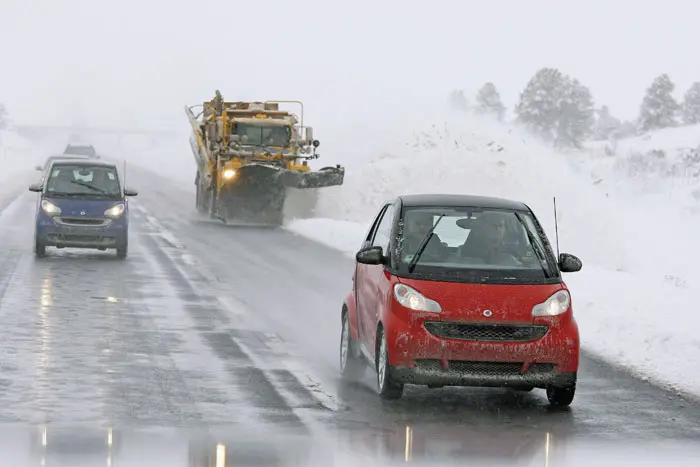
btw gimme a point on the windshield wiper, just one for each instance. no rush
(541, 258)
(423, 244)
(88, 185)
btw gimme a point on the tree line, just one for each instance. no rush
(561, 110)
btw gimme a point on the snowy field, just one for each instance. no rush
(664, 163)
(634, 298)
(18, 157)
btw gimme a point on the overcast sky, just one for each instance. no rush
(137, 63)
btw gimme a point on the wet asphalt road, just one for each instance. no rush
(207, 325)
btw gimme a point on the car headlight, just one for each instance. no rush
(554, 305)
(115, 211)
(411, 298)
(50, 208)
(229, 174)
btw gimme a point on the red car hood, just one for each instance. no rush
(467, 302)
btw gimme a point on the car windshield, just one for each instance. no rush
(263, 135)
(475, 245)
(83, 180)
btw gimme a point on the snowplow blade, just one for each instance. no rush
(256, 193)
(269, 175)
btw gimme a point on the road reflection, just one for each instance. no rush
(446, 446)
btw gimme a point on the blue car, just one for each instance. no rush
(82, 204)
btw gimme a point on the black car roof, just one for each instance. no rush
(84, 162)
(446, 200)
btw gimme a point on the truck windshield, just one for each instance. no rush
(263, 135)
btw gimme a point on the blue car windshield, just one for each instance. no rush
(83, 180)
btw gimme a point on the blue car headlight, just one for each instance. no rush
(49, 208)
(115, 211)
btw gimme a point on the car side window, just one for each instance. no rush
(373, 228)
(382, 236)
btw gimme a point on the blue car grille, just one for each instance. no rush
(82, 221)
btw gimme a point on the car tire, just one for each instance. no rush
(39, 249)
(123, 250)
(561, 396)
(387, 387)
(352, 367)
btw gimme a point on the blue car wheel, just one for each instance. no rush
(122, 247)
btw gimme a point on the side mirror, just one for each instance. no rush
(569, 263)
(316, 143)
(38, 168)
(309, 136)
(370, 255)
(128, 192)
(35, 187)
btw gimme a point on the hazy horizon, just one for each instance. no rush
(137, 63)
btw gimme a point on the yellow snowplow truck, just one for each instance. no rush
(248, 155)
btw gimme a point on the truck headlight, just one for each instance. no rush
(115, 211)
(554, 305)
(229, 174)
(411, 298)
(50, 208)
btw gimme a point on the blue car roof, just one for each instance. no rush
(84, 163)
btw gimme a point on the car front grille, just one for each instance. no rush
(488, 369)
(67, 239)
(82, 221)
(486, 332)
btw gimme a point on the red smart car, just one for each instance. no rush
(456, 290)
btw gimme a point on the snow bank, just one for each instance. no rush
(664, 163)
(633, 298)
(18, 157)
(17, 154)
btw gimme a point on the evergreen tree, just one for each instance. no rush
(488, 102)
(538, 106)
(659, 109)
(556, 108)
(458, 101)
(691, 105)
(576, 115)
(606, 126)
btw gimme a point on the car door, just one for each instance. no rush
(360, 280)
(371, 278)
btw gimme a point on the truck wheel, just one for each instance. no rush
(212, 204)
(201, 200)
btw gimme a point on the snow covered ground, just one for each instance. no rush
(664, 163)
(18, 157)
(634, 298)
